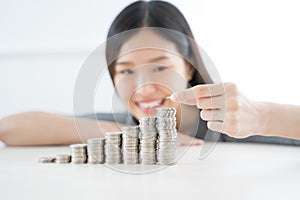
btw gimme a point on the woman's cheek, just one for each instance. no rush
(124, 88)
(174, 82)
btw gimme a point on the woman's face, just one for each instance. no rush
(144, 77)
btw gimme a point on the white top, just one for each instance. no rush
(231, 171)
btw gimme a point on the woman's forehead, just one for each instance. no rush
(146, 39)
(148, 55)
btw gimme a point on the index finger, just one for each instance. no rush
(191, 95)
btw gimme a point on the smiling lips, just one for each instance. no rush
(149, 106)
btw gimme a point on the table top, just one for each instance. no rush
(230, 171)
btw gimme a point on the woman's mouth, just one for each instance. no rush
(149, 106)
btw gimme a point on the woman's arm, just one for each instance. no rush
(40, 128)
(282, 120)
(228, 111)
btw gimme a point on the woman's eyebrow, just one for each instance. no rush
(124, 63)
(158, 59)
(153, 60)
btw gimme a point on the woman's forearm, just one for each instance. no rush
(281, 120)
(39, 128)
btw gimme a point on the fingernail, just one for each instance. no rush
(173, 97)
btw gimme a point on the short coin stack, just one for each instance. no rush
(167, 135)
(78, 152)
(148, 138)
(47, 159)
(95, 150)
(63, 158)
(130, 144)
(113, 148)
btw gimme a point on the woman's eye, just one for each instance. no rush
(127, 71)
(159, 68)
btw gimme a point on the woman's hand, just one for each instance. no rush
(225, 109)
(185, 140)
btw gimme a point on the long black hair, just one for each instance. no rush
(158, 14)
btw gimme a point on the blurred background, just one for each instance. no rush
(43, 44)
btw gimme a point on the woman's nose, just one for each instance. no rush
(145, 83)
(147, 90)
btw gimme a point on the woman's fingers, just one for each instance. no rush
(223, 127)
(224, 108)
(192, 95)
(186, 96)
(197, 142)
(213, 115)
(216, 126)
(216, 102)
(230, 129)
(212, 96)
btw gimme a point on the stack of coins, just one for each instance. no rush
(112, 147)
(95, 150)
(167, 135)
(63, 158)
(47, 159)
(78, 152)
(148, 139)
(130, 144)
(153, 141)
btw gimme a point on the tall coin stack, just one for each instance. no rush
(113, 147)
(148, 139)
(167, 135)
(95, 150)
(130, 144)
(78, 153)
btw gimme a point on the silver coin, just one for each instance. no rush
(95, 140)
(165, 119)
(113, 134)
(78, 146)
(63, 156)
(147, 119)
(47, 159)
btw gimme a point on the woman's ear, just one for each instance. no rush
(189, 73)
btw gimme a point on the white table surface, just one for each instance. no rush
(231, 171)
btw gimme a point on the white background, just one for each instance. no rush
(254, 43)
